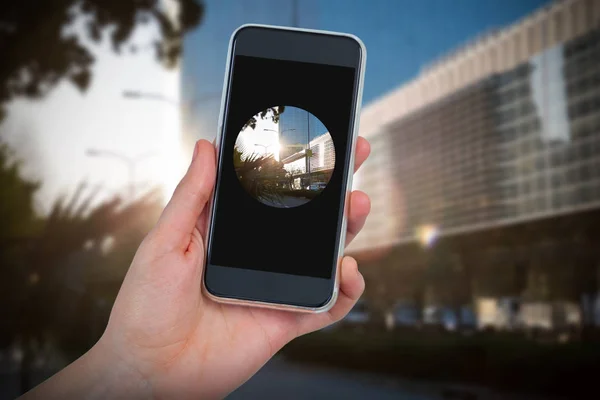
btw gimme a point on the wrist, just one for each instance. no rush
(98, 374)
(113, 375)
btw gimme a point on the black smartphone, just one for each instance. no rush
(286, 141)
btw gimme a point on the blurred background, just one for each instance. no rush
(482, 252)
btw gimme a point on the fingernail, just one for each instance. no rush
(195, 151)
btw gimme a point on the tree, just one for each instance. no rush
(292, 176)
(65, 261)
(38, 52)
(19, 224)
(260, 175)
(272, 112)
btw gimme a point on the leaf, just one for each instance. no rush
(82, 79)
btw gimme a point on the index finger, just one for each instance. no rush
(363, 148)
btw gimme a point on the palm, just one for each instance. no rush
(177, 338)
(181, 332)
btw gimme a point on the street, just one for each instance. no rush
(287, 201)
(281, 379)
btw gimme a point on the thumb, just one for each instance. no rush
(178, 220)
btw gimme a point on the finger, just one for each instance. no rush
(202, 223)
(363, 149)
(360, 206)
(179, 218)
(352, 285)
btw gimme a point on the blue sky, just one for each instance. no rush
(401, 36)
(55, 134)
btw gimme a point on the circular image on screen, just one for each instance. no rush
(284, 156)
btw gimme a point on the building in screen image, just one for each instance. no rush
(488, 163)
(317, 168)
(297, 127)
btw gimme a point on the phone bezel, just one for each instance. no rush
(269, 289)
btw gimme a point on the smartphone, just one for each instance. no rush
(285, 144)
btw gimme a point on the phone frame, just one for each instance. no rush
(353, 137)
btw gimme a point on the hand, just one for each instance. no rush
(166, 340)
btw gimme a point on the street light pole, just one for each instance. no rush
(295, 13)
(278, 132)
(308, 147)
(130, 162)
(263, 146)
(136, 95)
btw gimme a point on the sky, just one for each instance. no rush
(269, 137)
(52, 136)
(262, 139)
(401, 37)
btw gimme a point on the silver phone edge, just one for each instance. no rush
(341, 245)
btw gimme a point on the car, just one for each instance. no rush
(316, 186)
(359, 314)
(403, 315)
(356, 319)
(448, 319)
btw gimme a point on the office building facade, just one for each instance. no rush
(297, 129)
(502, 131)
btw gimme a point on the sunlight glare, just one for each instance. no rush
(174, 160)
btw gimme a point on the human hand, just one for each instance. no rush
(165, 339)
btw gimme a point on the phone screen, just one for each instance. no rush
(280, 190)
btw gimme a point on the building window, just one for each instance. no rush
(592, 9)
(570, 15)
(494, 58)
(558, 26)
(578, 17)
(531, 48)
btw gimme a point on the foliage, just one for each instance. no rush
(17, 209)
(308, 194)
(272, 112)
(262, 176)
(38, 51)
(292, 176)
(19, 224)
(67, 255)
(54, 268)
(501, 361)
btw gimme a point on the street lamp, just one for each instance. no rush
(136, 95)
(308, 147)
(273, 130)
(130, 162)
(295, 13)
(278, 132)
(264, 146)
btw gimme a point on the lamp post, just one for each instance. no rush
(308, 147)
(279, 132)
(130, 162)
(186, 139)
(136, 95)
(264, 146)
(295, 13)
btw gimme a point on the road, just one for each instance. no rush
(287, 202)
(282, 380)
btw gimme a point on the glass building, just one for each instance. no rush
(297, 129)
(503, 131)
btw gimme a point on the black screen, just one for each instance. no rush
(298, 240)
